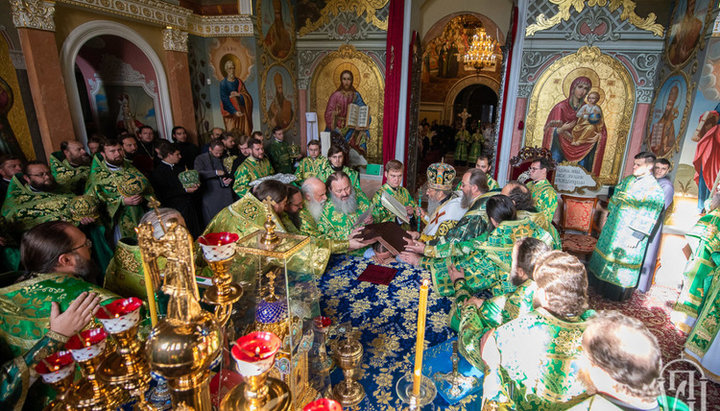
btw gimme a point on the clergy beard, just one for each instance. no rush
(315, 208)
(85, 269)
(347, 206)
(117, 163)
(433, 205)
(82, 160)
(465, 200)
(46, 187)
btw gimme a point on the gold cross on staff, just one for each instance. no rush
(464, 116)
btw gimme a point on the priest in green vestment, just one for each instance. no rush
(623, 365)
(703, 343)
(340, 214)
(483, 163)
(474, 316)
(336, 161)
(485, 263)
(533, 361)
(633, 211)
(56, 257)
(543, 193)
(314, 198)
(525, 207)
(71, 166)
(700, 270)
(311, 165)
(17, 375)
(473, 225)
(254, 167)
(280, 153)
(121, 187)
(33, 199)
(249, 214)
(476, 145)
(393, 187)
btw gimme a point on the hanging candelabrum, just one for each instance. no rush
(254, 356)
(481, 52)
(58, 371)
(88, 348)
(127, 366)
(218, 250)
(182, 346)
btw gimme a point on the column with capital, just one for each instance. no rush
(35, 22)
(178, 76)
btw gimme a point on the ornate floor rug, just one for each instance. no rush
(386, 317)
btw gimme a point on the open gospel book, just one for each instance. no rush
(395, 207)
(357, 116)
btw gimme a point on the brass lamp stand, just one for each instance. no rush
(88, 350)
(127, 366)
(254, 355)
(58, 371)
(218, 250)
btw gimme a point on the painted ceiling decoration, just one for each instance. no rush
(628, 13)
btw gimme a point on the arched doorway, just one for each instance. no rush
(119, 70)
(480, 101)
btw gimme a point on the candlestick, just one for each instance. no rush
(420, 343)
(150, 290)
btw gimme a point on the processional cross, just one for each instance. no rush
(464, 116)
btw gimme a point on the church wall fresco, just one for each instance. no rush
(690, 54)
(324, 29)
(275, 36)
(623, 69)
(209, 61)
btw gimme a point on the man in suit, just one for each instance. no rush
(188, 150)
(168, 188)
(217, 182)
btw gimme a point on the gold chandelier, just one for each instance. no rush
(481, 52)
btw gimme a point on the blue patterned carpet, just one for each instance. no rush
(386, 316)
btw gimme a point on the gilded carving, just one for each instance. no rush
(563, 14)
(333, 7)
(33, 14)
(368, 81)
(166, 14)
(611, 80)
(175, 40)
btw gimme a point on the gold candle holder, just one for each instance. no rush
(254, 355)
(348, 355)
(218, 250)
(58, 371)
(88, 349)
(127, 366)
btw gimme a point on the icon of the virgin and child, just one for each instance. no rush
(575, 128)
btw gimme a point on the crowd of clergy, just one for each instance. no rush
(520, 304)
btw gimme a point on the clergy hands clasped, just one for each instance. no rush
(76, 317)
(410, 258)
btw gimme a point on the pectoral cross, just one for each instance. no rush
(464, 116)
